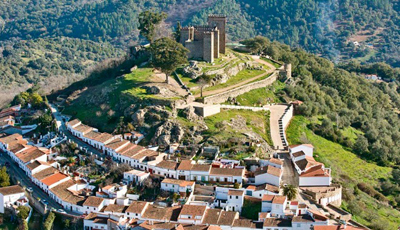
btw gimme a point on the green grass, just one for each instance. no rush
(347, 168)
(111, 95)
(241, 76)
(351, 133)
(261, 96)
(256, 121)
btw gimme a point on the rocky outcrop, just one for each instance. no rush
(193, 71)
(169, 132)
(150, 115)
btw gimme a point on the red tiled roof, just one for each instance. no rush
(53, 179)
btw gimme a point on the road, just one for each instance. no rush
(15, 171)
(276, 113)
(290, 175)
(63, 129)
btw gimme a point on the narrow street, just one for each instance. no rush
(19, 175)
(62, 128)
(290, 175)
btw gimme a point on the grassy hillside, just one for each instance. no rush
(103, 105)
(349, 170)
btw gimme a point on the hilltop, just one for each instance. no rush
(365, 30)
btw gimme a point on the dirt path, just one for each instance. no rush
(257, 59)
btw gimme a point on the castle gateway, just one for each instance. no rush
(205, 42)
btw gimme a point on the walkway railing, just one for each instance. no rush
(244, 107)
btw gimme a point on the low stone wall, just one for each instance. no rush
(284, 122)
(222, 97)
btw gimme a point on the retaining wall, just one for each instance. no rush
(222, 97)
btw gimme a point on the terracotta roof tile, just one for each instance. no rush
(14, 189)
(53, 179)
(226, 172)
(193, 210)
(136, 207)
(93, 201)
(185, 165)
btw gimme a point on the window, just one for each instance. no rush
(237, 197)
(230, 197)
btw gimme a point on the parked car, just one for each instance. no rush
(29, 189)
(45, 202)
(61, 210)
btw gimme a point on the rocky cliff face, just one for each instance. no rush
(168, 128)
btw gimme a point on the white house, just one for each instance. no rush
(136, 176)
(177, 186)
(268, 175)
(93, 204)
(200, 172)
(192, 214)
(166, 169)
(275, 204)
(96, 221)
(227, 175)
(136, 209)
(10, 195)
(235, 200)
(308, 149)
(305, 164)
(115, 190)
(184, 169)
(307, 221)
(260, 190)
(52, 181)
(316, 176)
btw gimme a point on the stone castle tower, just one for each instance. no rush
(205, 42)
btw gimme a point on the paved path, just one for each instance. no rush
(257, 59)
(62, 128)
(290, 175)
(276, 113)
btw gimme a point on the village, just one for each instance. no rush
(207, 193)
(111, 181)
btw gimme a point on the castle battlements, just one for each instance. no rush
(205, 42)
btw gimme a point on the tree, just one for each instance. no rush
(147, 23)
(48, 223)
(290, 191)
(4, 177)
(177, 33)
(23, 212)
(167, 55)
(203, 81)
(36, 100)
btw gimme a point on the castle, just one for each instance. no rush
(205, 42)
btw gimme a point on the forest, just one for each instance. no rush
(325, 28)
(339, 99)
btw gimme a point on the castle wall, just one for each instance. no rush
(208, 47)
(195, 49)
(216, 44)
(220, 22)
(222, 97)
(184, 36)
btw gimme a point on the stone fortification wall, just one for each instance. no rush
(222, 97)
